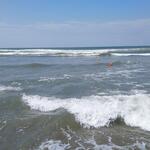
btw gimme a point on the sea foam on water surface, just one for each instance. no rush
(59, 145)
(77, 142)
(98, 111)
(53, 145)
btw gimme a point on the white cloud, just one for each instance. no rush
(135, 32)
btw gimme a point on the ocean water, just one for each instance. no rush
(75, 98)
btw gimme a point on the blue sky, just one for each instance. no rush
(52, 23)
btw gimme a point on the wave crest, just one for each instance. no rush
(97, 111)
(130, 54)
(77, 52)
(9, 88)
(54, 52)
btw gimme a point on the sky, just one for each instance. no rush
(69, 23)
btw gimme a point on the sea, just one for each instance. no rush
(85, 98)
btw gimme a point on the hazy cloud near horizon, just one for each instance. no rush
(54, 34)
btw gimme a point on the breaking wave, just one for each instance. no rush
(53, 52)
(9, 88)
(76, 52)
(98, 111)
(131, 54)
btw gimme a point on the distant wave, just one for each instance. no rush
(130, 54)
(52, 52)
(97, 111)
(76, 52)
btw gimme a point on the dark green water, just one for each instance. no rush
(78, 98)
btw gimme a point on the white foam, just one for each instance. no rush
(130, 54)
(53, 145)
(97, 111)
(73, 52)
(3, 124)
(82, 144)
(78, 142)
(65, 76)
(127, 73)
(55, 52)
(9, 88)
(112, 146)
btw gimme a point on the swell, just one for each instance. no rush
(36, 65)
(32, 65)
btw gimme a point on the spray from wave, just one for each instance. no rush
(98, 111)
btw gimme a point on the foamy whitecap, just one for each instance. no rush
(97, 111)
(130, 54)
(9, 88)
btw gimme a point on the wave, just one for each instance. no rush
(9, 88)
(130, 54)
(32, 65)
(76, 52)
(98, 111)
(36, 65)
(53, 52)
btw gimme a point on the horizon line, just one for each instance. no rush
(67, 47)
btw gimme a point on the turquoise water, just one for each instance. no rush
(75, 98)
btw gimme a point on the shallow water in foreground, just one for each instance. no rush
(71, 99)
